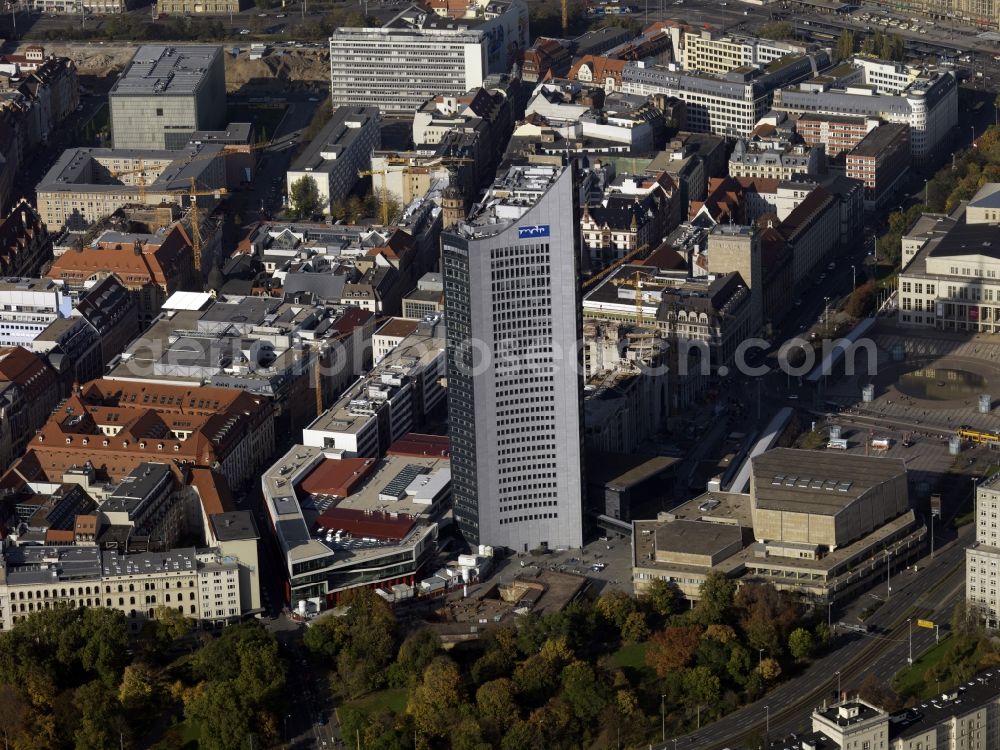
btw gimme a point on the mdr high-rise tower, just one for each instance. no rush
(515, 387)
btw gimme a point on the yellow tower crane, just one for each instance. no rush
(639, 281)
(384, 198)
(141, 171)
(194, 194)
(565, 17)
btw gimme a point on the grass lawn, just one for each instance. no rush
(189, 734)
(633, 655)
(393, 699)
(265, 119)
(910, 681)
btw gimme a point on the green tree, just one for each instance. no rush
(326, 636)
(221, 717)
(586, 695)
(303, 197)
(845, 44)
(739, 665)
(415, 653)
(715, 600)
(701, 687)
(100, 717)
(777, 30)
(660, 598)
(801, 644)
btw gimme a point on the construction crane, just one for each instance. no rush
(565, 17)
(141, 171)
(384, 198)
(194, 194)
(638, 281)
(617, 264)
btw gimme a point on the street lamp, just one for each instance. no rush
(829, 616)
(854, 277)
(663, 721)
(909, 622)
(767, 722)
(839, 693)
(888, 574)
(760, 660)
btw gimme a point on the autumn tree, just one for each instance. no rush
(615, 606)
(769, 669)
(584, 692)
(434, 703)
(496, 706)
(673, 648)
(635, 629)
(767, 616)
(878, 693)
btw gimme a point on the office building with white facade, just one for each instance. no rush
(513, 312)
(165, 94)
(341, 150)
(706, 52)
(419, 54)
(929, 105)
(729, 104)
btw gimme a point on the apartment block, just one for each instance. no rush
(151, 266)
(836, 133)
(203, 585)
(982, 559)
(87, 185)
(929, 105)
(300, 354)
(341, 150)
(881, 161)
(165, 94)
(395, 398)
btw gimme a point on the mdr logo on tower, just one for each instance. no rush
(535, 230)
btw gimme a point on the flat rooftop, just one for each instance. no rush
(90, 169)
(341, 133)
(820, 482)
(236, 525)
(166, 70)
(696, 537)
(510, 196)
(880, 139)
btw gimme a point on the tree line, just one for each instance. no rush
(600, 671)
